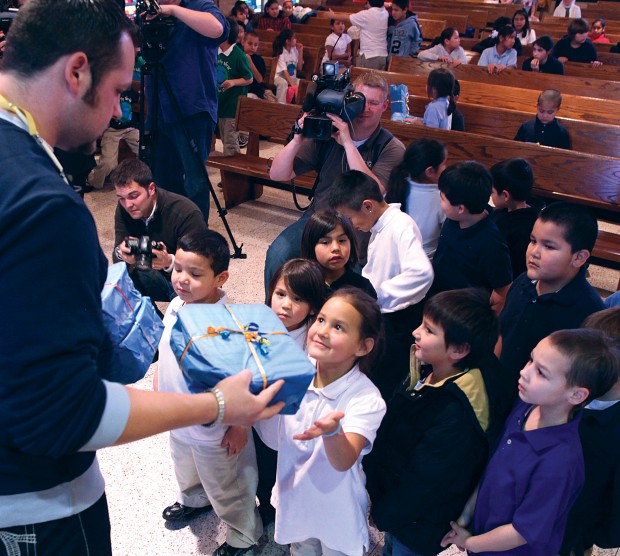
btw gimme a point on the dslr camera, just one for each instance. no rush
(331, 93)
(142, 248)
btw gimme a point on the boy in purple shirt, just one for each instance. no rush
(537, 470)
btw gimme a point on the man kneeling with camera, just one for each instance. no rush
(147, 225)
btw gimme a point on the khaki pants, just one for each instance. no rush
(109, 152)
(208, 476)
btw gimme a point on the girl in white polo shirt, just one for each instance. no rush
(320, 496)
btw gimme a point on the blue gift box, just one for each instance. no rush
(213, 341)
(132, 325)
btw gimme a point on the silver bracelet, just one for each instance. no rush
(337, 431)
(118, 253)
(221, 407)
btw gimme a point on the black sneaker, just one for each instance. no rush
(227, 550)
(243, 141)
(178, 511)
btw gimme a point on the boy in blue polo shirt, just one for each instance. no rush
(553, 293)
(472, 253)
(537, 470)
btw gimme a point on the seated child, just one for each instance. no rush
(554, 292)
(233, 77)
(542, 60)
(329, 239)
(513, 180)
(537, 470)
(404, 35)
(471, 252)
(257, 88)
(434, 441)
(440, 89)
(272, 18)
(123, 128)
(290, 56)
(413, 184)
(597, 31)
(397, 267)
(521, 23)
(491, 40)
(338, 44)
(502, 55)
(458, 120)
(320, 500)
(215, 466)
(576, 46)
(545, 129)
(445, 48)
(595, 516)
(287, 11)
(567, 8)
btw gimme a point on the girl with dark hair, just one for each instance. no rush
(445, 48)
(521, 23)
(440, 89)
(501, 56)
(272, 18)
(290, 56)
(597, 31)
(320, 496)
(413, 184)
(329, 240)
(296, 293)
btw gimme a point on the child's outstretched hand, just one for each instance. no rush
(326, 425)
(235, 439)
(457, 536)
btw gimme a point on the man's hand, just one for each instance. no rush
(2, 41)
(124, 253)
(243, 407)
(167, 6)
(457, 536)
(343, 133)
(162, 259)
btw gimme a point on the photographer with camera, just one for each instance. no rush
(147, 225)
(189, 63)
(359, 144)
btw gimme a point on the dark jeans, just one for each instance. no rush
(154, 284)
(175, 165)
(83, 534)
(393, 547)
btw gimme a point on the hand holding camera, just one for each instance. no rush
(144, 253)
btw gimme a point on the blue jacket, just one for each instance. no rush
(404, 38)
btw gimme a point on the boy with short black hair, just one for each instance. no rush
(554, 292)
(215, 467)
(537, 471)
(397, 266)
(444, 419)
(233, 77)
(404, 35)
(513, 180)
(258, 68)
(595, 517)
(471, 251)
(545, 129)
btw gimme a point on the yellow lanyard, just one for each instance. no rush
(26, 118)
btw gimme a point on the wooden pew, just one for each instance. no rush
(580, 108)
(584, 87)
(587, 137)
(560, 175)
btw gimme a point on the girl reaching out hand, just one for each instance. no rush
(320, 497)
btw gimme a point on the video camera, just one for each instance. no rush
(331, 93)
(155, 30)
(6, 18)
(143, 247)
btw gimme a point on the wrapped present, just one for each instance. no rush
(213, 341)
(132, 325)
(399, 97)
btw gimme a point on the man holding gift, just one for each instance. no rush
(64, 67)
(145, 210)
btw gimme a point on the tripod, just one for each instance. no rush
(154, 68)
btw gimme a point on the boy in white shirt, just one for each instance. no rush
(373, 24)
(397, 267)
